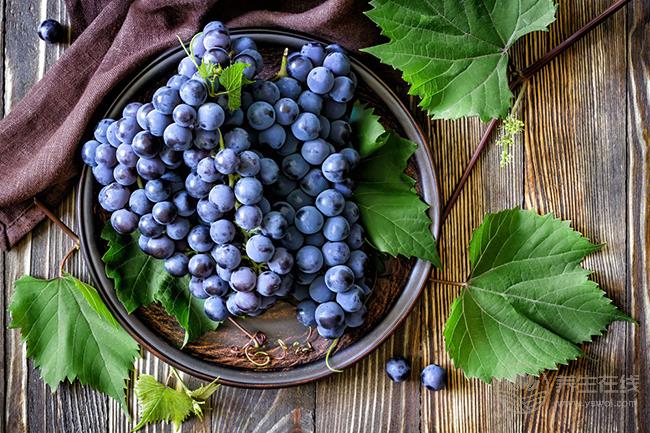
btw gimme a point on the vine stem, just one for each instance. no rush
(447, 283)
(56, 220)
(245, 331)
(521, 79)
(67, 256)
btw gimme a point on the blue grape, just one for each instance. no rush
(185, 203)
(293, 239)
(315, 151)
(355, 238)
(266, 91)
(157, 190)
(248, 190)
(330, 202)
(233, 309)
(351, 212)
(330, 315)
(127, 127)
(149, 227)
(141, 115)
(334, 48)
(310, 102)
(313, 183)
(186, 67)
(161, 247)
(210, 116)
(308, 220)
(268, 283)
(289, 88)
(334, 110)
(249, 164)
(111, 135)
(248, 217)
(131, 109)
(192, 157)
(336, 229)
(303, 277)
(216, 56)
(286, 286)
(342, 90)
(282, 261)
(243, 279)
(184, 115)
(398, 369)
(300, 292)
(358, 263)
(201, 265)
(165, 99)
(171, 158)
(222, 231)
(247, 302)
(176, 265)
(223, 273)
(226, 161)
(164, 212)
(243, 43)
(206, 140)
(320, 80)
(251, 69)
(215, 308)
(222, 197)
(314, 51)
(339, 278)
(340, 132)
(309, 259)
(274, 225)
(237, 139)
(177, 137)
(351, 300)
(294, 166)
(157, 122)
(298, 67)
(433, 377)
(196, 288)
(283, 186)
(286, 111)
(214, 285)
(259, 248)
(319, 292)
(335, 168)
(331, 334)
(227, 256)
(199, 239)
(285, 209)
(193, 92)
(100, 130)
(143, 241)
(298, 198)
(105, 155)
(126, 156)
(178, 229)
(113, 197)
(217, 38)
(325, 126)
(335, 253)
(290, 145)
(352, 156)
(346, 188)
(175, 82)
(234, 118)
(306, 313)
(306, 127)
(124, 175)
(207, 170)
(338, 63)
(260, 115)
(88, 152)
(356, 319)
(145, 145)
(315, 239)
(207, 212)
(215, 25)
(124, 221)
(139, 203)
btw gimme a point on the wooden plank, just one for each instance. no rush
(638, 203)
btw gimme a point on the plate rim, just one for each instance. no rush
(305, 373)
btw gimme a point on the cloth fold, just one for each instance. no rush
(40, 137)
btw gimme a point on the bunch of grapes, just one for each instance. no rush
(253, 203)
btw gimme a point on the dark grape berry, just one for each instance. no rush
(398, 369)
(434, 377)
(51, 31)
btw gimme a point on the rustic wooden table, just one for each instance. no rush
(585, 155)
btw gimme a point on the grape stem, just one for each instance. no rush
(253, 338)
(447, 283)
(67, 256)
(522, 78)
(329, 352)
(48, 213)
(283, 66)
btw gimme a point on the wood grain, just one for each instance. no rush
(584, 156)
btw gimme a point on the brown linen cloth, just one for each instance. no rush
(39, 139)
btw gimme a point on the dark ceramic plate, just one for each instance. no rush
(397, 285)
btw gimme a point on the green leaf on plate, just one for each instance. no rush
(455, 53)
(528, 302)
(70, 334)
(366, 129)
(232, 79)
(394, 217)
(140, 280)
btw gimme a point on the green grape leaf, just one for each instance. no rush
(454, 54)
(140, 279)
(528, 303)
(366, 129)
(70, 334)
(392, 213)
(233, 79)
(161, 403)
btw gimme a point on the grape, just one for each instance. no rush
(335, 168)
(175, 82)
(264, 206)
(210, 116)
(306, 313)
(243, 279)
(294, 166)
(286, 111)
(186, 67)
(290, 145)
(157, 190)
(266, 91)
(314, 51)
(259, 248)
(434, 377)
(105, 155)
(192, 157)
(149, 227)
(177, 137)
(283, 186)
(206, 140)
(141, 114)
(338, 63)
(185, 204)
(171, 158)
(398, 369)
(113, 197)
(217, 38)
(216, 56)
(164, 212)
(207, 212)
(260, 115)
(315, 151)
(207, 170)
(124, 221)
(309, 259)
(124, 175)
(143, 242)
(342, 90)
(222, 197)
(330, 315)
(196, 288)
(356, 319)
(336, 229)
(298, 67)
(298, 198)
(125, 155)
(51, 31)
(319, 292)
(131, 109)
(282, 262)
(314, 182)
(306, 127)
(339, 278)
(320, 80)
(215, 308)
(334, 110)
(285, 209)
(351, 300)
(223, 273)
(215, 25)
(150, 169)
(243, 43)
(248, 217)
(178, 229)
(111, 135)
(250, 70)
(165, 99)
(358, 263)
(226, 161)
(331, 334)
(293, 239)
(301, 292)
(325, 126)
(248, 190)
(193, 92)
(340, 132)
(227, 256)
(355, 238)
(139, 203)
(351, 156)
(316, 239)
(145, 145)
(346, 188)
(330, 202)
(310, 102)
(273, 136)
(288, 87)
(214, 285)
(222, 231)
(201, 265)
(161, 247)
(305, 277)
(237, 139)
(268, 283)
(199, 238)
(249, 164)
(157, 122)
(274, 225)
(176, 265)
(308, 220)
(100, 130)
(246, 301)
(335, 253)
(88, 152)
(184, 115)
